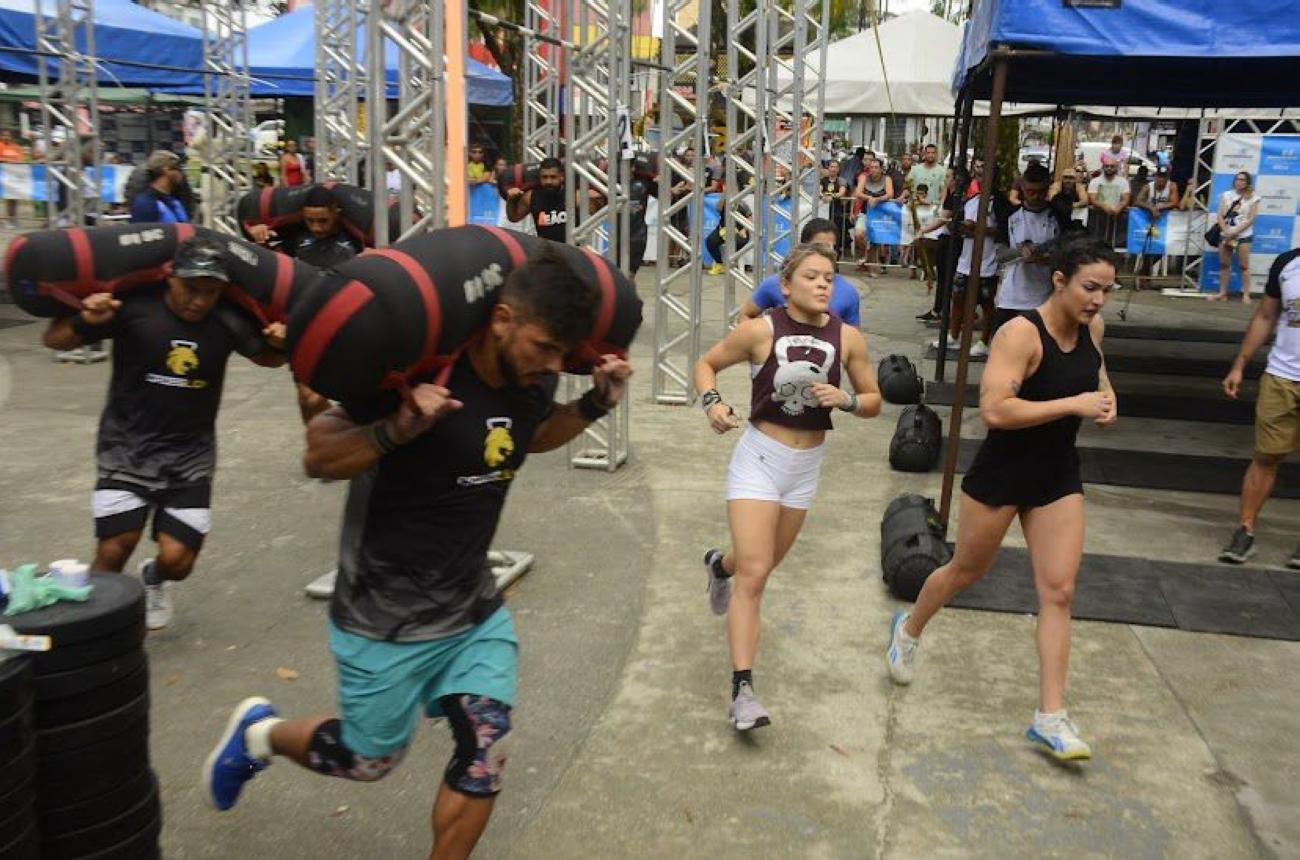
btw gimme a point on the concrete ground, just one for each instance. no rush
(623, 749)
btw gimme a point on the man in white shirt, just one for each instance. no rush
(1277, 408)
(988, 271)
(1026, 280)
(1110, 196)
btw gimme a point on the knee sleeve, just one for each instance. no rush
(327, 754)
(480, 727)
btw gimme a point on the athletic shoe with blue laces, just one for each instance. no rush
(901, 655)
(1058, 736)
(230, 764)
(719, 586)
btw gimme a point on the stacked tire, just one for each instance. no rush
(96, 796)
(19, 836)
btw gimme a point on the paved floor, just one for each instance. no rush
(623, 746)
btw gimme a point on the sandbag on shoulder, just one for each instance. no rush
(281, 210)
(393, 314)
(49, 272)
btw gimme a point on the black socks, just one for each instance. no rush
(741, 676)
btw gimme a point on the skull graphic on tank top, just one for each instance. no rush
(802, 361)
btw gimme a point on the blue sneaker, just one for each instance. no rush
(230, 765)
(1058, 736)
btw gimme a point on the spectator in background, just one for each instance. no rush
(10, 153)
(976, 177)
(873, 188)
(898, 177)
(1160, 195)
(545, 203)
(834, 193)
(476, 171)
(1238, 207)
(158, 203)
(262, 177)
(293, 171)
(1026, 281)
(309, 158)
(1109, 196)
(920, 212)
(1072, 190)
(716, 241)
(853, 168)
(1139, 182)
(935, 238)
(988, 270)
(928, 172)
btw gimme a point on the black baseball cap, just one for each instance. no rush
(200, 258)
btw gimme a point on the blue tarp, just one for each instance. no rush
(1175, 53)
(123, 31)
(282, 60)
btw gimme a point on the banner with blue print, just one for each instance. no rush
(1147, 236)
(29, 181)
(885, 224)
(485, 204)
(1273, 162)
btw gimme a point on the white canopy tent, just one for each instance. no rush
(920, 51)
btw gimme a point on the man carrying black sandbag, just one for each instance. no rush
(156, 448)
(417, 623)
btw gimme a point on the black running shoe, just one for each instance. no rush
(1240, 548)
(928, 316)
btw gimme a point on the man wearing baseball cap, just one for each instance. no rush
(158, 202)
(156, 448)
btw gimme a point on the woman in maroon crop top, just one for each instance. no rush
(795, 356)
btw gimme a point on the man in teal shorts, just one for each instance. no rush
(417, 624)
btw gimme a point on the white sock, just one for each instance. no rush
(258, 738)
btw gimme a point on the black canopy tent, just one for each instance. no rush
(1190, 53)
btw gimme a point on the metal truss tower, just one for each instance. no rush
(679, 293)
(412, 140)
(598, 93)
(543, 70)
(69, 111)
(774, 101)
(341, 88)
(228, 109)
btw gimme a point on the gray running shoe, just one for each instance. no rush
(746, 712)
(1294, 561)
(1240, 548)
(157, 602)
(719, 586)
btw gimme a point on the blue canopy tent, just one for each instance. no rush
(282, 62)
(1175, 53)
(135, 46)
(1189, 53)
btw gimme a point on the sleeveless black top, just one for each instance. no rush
(802, 356)
(1034, 466)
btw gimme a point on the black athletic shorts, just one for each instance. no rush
(988, 286)
(182, 512)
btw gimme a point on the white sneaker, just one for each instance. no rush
(157, 603)
(1058, 736)
(322, 587)
(901, 655)
(979, 349)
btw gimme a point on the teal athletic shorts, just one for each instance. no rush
(383, 685)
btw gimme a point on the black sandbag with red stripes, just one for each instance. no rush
(49, 272)
(281, 210)
(394, 314)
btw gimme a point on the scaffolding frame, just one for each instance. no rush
(543, 70)
(228, 111)
(597, 85)
(63, 97)
(742, 153)
(341, 89)
(413, 139)
(679, 293)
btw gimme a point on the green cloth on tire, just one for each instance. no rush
(28, 592)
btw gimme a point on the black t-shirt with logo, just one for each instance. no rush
(322, 253)
(158, 428)
(418, 525)
(549, 214)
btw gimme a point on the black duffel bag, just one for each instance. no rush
(917, 439)
(911, 545)
(898, 379)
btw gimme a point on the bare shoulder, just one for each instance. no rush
(1016, 338)
(852, 341)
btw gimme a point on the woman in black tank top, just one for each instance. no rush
(1045, 374)
(795, 356)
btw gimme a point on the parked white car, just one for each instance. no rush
(266, 137)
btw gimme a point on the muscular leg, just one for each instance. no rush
(1055, 537)
(458, 822)
(175, 560)
(1257, 486)
(787, 529)
(112, 553)
(980, 530)
(753, 538)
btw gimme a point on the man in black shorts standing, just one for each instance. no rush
(545, 203)
(417, 624)
(156, 447)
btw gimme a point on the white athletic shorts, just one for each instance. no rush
(770, 471)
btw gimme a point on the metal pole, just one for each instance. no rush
(341, 144)
(973, 285)
(62, 100)
(228, 110)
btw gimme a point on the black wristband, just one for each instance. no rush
(380, 439)
(710, 398)
(590, 408)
